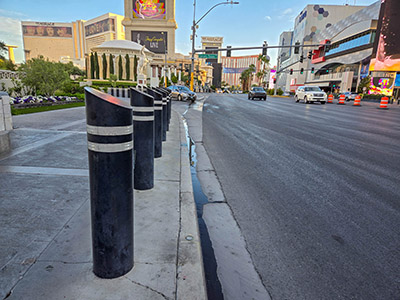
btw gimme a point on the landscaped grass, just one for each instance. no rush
(31, 110)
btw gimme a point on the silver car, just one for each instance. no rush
(182, 93)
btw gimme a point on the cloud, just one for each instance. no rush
(286, 14)
(267, 18)
(13, 14)
(287, 11)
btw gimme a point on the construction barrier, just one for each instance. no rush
(330, 98)
(357, 101)
(384, 103)
(341, 99)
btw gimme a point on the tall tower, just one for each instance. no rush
(151, 23)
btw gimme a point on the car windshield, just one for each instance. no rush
(313, 89)
(258, 89)
(184, 88)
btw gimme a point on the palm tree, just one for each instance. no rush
(251, 69)
(265, 64)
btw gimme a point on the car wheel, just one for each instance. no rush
(323, 102)
(305, 101)
(296, 99)
(179, 98)
(265, 98)
(248, 97)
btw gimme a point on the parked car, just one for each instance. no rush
(350, 96)
(257, 92)
(310, 94)
(182, 93)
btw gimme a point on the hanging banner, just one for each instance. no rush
(47, 31)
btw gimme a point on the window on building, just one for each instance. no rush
(352, 42)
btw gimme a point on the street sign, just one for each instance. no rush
(211, 56)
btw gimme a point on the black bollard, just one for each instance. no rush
(143, 126)
(169, 103)
(165, 98)
(158, 121)
(110, 144)
(165, 118)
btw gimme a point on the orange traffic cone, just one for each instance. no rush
(384, 103)
(357, 101)
(330, 98)
(341, 99)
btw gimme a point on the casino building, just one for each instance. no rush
(66, 42)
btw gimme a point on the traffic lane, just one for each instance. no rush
(328, 229)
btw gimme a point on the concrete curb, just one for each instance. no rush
(190, 270)
(5, 146)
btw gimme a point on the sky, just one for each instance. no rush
(249, 23)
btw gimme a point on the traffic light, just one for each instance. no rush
(327, 46)
(301, 70)
(297, 48)
(327, 71)
(291, 72)
(310, 54)
(301, 58)
(312, 70)
(264, 50)
(228, 52)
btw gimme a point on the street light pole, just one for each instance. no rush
(165, 60)
(193, 44)
(194, 32)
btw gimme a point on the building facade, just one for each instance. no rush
(152, 23)
(343, 58)
(310, 22)
(232, 68)
(210, 43)
(64, 42)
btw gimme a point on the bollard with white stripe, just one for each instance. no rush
(169, 103)
(110, 151)
(165, 117)
(158, 121)
(143, 125)
(165, 98)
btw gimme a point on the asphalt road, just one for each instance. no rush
(315, 190)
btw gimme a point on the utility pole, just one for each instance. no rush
(193, 44)
(194, 33)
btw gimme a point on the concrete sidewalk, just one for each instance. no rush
(45, 241)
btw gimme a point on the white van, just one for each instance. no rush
(310, 94)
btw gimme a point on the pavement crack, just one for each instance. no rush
(65, 262)
(149, 288)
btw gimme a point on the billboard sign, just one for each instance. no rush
(386, 54)
(154, 41)
(382, 83)
(397, 82)
(47, 30)
(100, 27)
(233, 70)
(149, 9)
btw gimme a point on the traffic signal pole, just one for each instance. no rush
(194, 33)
